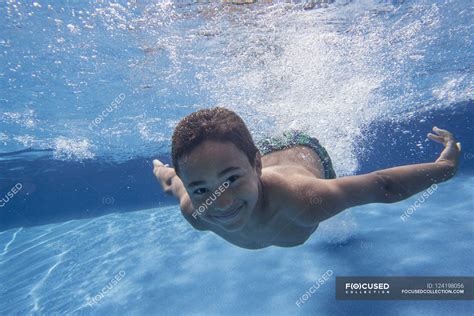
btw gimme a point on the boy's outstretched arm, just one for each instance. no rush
(172, 185)
(404, 181)
(382, 186)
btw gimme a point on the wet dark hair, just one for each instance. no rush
(217, 124)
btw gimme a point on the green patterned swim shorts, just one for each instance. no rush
(293, 138)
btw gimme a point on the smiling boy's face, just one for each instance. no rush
(204, 172)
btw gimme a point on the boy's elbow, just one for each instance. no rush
(393, 198)
(388, 191)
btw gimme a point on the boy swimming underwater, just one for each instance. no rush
(224, 184)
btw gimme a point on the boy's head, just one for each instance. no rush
(215, 157)
(217, 124)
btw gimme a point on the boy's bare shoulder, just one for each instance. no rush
(284, 187)
(285, 179)
(287, 189)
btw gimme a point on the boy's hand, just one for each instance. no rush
(164, 174)
(452, 148)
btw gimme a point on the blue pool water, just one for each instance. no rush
(170, 269)
(91, 91)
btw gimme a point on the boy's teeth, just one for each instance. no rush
(229, 213)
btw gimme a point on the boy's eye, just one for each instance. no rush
(233, 178)
(200, 191)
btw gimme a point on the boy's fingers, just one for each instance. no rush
(157, 163)
(442, 132)
(436, 138)
(163, 175)
(157, 167)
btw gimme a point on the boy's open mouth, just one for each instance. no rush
(230, 214)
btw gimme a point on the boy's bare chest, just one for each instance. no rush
(279, 231)
(277, 226)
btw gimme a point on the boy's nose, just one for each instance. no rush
(223, 203)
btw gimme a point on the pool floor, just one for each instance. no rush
(151, 262)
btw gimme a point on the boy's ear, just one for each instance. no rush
(258, 163)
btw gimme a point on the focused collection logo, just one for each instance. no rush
(367, 288)
(404, 288)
